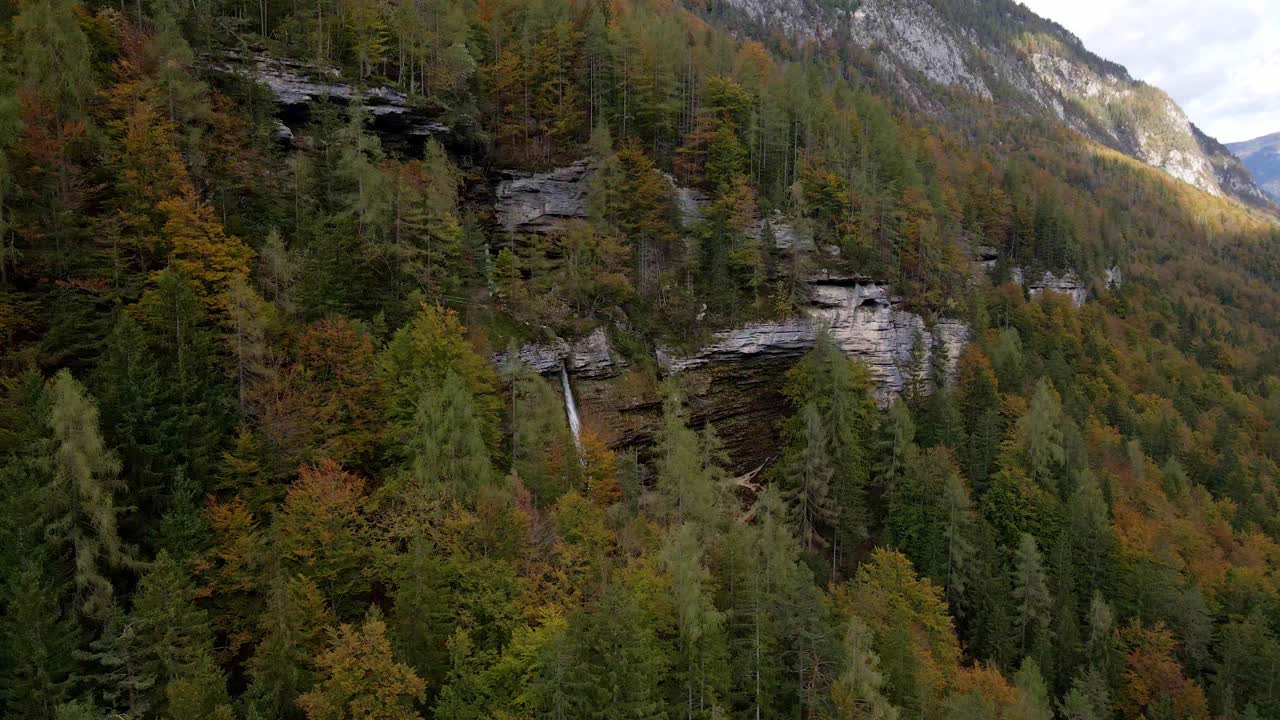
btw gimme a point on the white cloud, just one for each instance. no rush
(1219, 59)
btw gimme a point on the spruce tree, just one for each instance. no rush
(447, 448)
(37, 644)
(702, 658)
(686, 480)
(808, 472)
(1031, 591)
(292, 631)
(857, 691)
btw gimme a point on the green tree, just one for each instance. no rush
(808, 473)
(1033, 701)
(839, 389)
(37, 641)
(702, 657)
(292, 628)
(1039, 435)
(160, 657)
(857, 692)
(689, 482)
(617, 637)
(1031, 591)
(82, 511)
(422, 354)
(447, 447)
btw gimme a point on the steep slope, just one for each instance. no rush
(1262, 157)
(1003, 52)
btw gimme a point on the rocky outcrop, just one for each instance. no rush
(689, 202)
(1001, 51)
(297, 85)
(587, 357)
(782, 232)
(864, 319)
(542, 202)
(736, 381)
(1067, 284)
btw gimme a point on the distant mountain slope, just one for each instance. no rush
(1262, 157)
(1005, 53)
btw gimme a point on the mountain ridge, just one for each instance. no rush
(1261, 156)
(1004, 53)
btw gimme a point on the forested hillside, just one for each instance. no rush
(878, 415)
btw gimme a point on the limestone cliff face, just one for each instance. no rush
(297, 86)
(1001, 51)
(735, 382)
(864, 319)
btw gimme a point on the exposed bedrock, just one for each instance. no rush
(296, 86)
(735, 382)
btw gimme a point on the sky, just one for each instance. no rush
(1219, 59)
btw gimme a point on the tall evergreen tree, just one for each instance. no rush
(1031, 590)
(82, 512)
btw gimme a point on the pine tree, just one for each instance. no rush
(161, 654)
(689, 483)
(979, 404)
(81, 505)
(617, 638)
(897, 435)
(840, 391)
(542, 450)
(1088, 698)
(56, 57)
(423, 615)
(960, 534)
(1039, 435)
(1033, 701)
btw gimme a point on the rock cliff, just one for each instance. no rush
(296, 86)
(735, 382)
(1002, 52)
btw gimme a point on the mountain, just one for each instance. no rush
(1262, 157)
(1003, 52)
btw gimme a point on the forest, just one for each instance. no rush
(268, 452)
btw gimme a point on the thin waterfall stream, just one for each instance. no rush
(570, 407)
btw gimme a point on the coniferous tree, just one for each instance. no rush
(857, 692)
(292, 629)
(447, 448)
(618, 634)
(1033, 701)
(702, 658)
(160, 657)
(82, 511)
(37, 642)
(687, 480)
(809, 474)
(839, 390)
(1031, 591)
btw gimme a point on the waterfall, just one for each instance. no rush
(570, 407)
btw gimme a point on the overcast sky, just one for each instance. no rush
(1219, 59)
